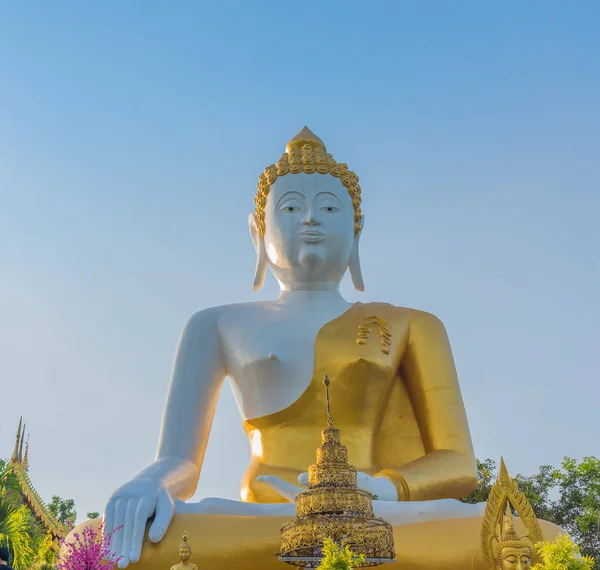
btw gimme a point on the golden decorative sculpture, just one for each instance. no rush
(502, 547)
(334, 507)
(306, 152)
(374, 322)
(185, 553)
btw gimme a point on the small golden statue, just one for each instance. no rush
(502, 547)
(184, 555)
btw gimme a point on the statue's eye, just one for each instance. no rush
(330, 209)
(290, 209)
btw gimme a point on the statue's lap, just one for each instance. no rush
(222, 542)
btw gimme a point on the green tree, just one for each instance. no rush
(578, 508)
(63, 509)
(16, 524)
(486, 471)
(562, 554)
(93, 515)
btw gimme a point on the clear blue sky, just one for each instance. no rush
(131, 138)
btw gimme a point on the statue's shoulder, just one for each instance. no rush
(416, 318)
(223, 315)
(414, 315)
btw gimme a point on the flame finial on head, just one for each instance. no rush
(305, 136)
(184, 542)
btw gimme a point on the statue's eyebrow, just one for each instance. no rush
(291, 193)
(330, 195)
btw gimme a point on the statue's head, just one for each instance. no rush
(184, 549)
(513, 552)
(307, 221)
(515, 558)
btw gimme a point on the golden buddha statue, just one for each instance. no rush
(398, 398)
(185, 552)
(501, 545)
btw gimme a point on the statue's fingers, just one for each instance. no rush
(117, 536)
(303, 479)
(285, 489)
(109, 518)
(127, 532)
(164, 513)
(143, 512)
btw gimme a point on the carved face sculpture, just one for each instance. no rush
(185, 553)
(513, 558)
(309, 228)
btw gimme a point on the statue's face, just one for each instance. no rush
(185, 553)
(515, 558)
(309, 228)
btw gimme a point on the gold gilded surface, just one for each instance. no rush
(401, 411)
(499, 538)
(224, 542)
(306, 153)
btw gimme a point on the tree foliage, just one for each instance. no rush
(562, 554)
(338, 556)
(63, 510)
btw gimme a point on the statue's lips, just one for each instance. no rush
(312, 236)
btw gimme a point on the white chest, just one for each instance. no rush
(269, 352)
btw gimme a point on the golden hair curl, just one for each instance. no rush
(306, 153)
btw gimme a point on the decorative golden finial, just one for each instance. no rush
(508, 531)
(305, 136)
(26, 456)
(326, 381)
(498, 532)
(306, 152)
(15, 456)
(22, 443)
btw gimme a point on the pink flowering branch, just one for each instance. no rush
(89, 550)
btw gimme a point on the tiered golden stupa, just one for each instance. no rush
(334, 507)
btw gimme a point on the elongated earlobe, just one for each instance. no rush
(354, 265)
(260, 272)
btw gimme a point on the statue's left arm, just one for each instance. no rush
(448, 468)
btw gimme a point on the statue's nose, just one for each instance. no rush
(309, 217)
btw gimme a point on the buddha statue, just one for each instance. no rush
(185, 553)
(397, 394)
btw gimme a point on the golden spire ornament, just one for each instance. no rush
(334, 508)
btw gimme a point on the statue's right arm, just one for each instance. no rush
(196, 380)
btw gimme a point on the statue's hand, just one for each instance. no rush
(129, 509)
(382, 488)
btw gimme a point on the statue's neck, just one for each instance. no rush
(313, 298)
